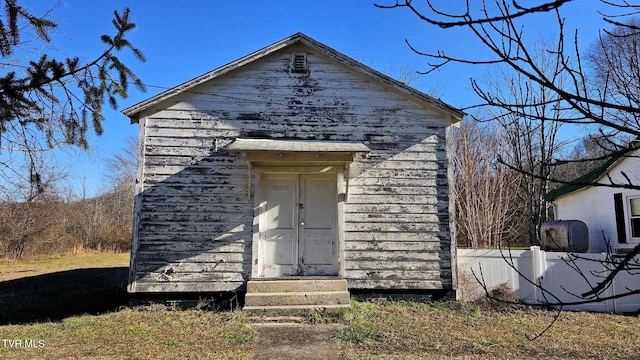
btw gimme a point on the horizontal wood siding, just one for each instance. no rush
(195, 221)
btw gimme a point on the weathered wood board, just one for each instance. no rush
(194, 216)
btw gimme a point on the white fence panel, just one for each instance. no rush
(625, 282)
(562, 278)
(492, 268)
(567, 280)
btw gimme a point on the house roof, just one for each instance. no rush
(592, 176)
(438, 105)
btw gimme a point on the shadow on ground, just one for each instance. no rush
(56, 296)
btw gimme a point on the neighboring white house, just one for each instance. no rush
(612, 214)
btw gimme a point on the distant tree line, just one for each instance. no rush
(57, 223)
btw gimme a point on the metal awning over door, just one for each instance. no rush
(297, 146)
(270, 152)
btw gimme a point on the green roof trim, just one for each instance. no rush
(592, 176)
(582, 181)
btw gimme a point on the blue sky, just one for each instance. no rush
(184, 39)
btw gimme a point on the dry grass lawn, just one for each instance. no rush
(136, 334)
(57, 287)
(457, 330)
(75, 306)
(16, 269)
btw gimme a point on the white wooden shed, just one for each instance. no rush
(293, 161)
(612, 214)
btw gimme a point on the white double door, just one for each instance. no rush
(298, 225)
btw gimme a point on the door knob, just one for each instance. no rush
(301, 223)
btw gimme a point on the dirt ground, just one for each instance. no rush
(296, 341)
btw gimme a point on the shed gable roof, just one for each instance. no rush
(438, 105)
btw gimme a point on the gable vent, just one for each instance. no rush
(299, 63)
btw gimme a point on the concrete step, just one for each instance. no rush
(296, 285)
(296, 294)
(297, 298)
(289, 310)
